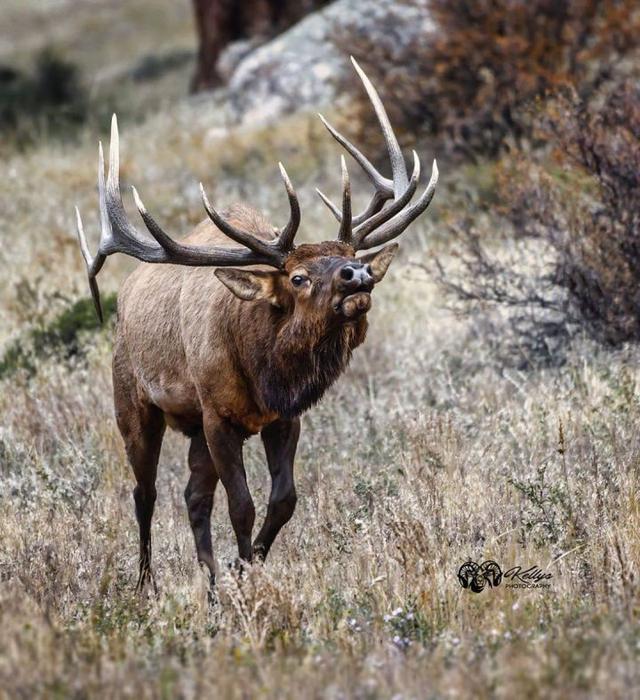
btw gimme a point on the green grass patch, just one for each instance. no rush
(63, 337)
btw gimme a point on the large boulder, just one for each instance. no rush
(306, 67)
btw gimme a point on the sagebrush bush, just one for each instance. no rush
(578, 209)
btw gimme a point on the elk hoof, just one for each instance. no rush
(238, 567)
(146, 584)
(259, 552)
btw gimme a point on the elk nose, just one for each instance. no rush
(354, 276)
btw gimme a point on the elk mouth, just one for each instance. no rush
(354, 305)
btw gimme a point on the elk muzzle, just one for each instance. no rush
(353, 283)
(355, 277)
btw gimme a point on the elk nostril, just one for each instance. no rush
(346, 273)
(368, 270)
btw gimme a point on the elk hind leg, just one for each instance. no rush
(199, 499)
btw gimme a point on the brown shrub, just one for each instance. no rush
(578, 210)
(468, 81)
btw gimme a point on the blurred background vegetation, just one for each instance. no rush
(537, 102)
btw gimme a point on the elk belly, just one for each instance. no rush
(173, 398)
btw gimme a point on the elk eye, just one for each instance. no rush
(298, 280)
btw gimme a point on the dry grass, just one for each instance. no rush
(427, 453)
(423, 456)
(102, 36)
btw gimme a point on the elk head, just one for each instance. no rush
(315, 283)
(322, 284)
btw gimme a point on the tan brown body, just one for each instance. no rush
(210, 349)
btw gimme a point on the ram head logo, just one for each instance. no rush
(476, 576)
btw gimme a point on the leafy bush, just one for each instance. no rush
(52, 98)
(154, 66)
(469, 80)
(578, 212)
(61, 337)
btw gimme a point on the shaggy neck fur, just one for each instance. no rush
(299, 371)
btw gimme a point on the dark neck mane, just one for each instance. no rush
(297, 374)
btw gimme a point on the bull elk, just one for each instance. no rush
(244, 350)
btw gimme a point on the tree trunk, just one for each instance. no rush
(220, 22)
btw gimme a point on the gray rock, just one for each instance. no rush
(234, 54)
(303, 67)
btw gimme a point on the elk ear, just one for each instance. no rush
(250, 285)
(380, 260)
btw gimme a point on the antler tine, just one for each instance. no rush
(332, 207)
(275, 250)
(396, 225)
(379, 181)
(288, 233)
(398, 166)
(232, 232)
(346, 223)
(344, 234)
(361, 231)
(93, 265)
(106, 234)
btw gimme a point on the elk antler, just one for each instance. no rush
(118, 235)
(387, 215)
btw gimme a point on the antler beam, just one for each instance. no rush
(119, 235)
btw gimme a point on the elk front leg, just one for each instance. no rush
(199, 499)
(225, 445)
(280, 440)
